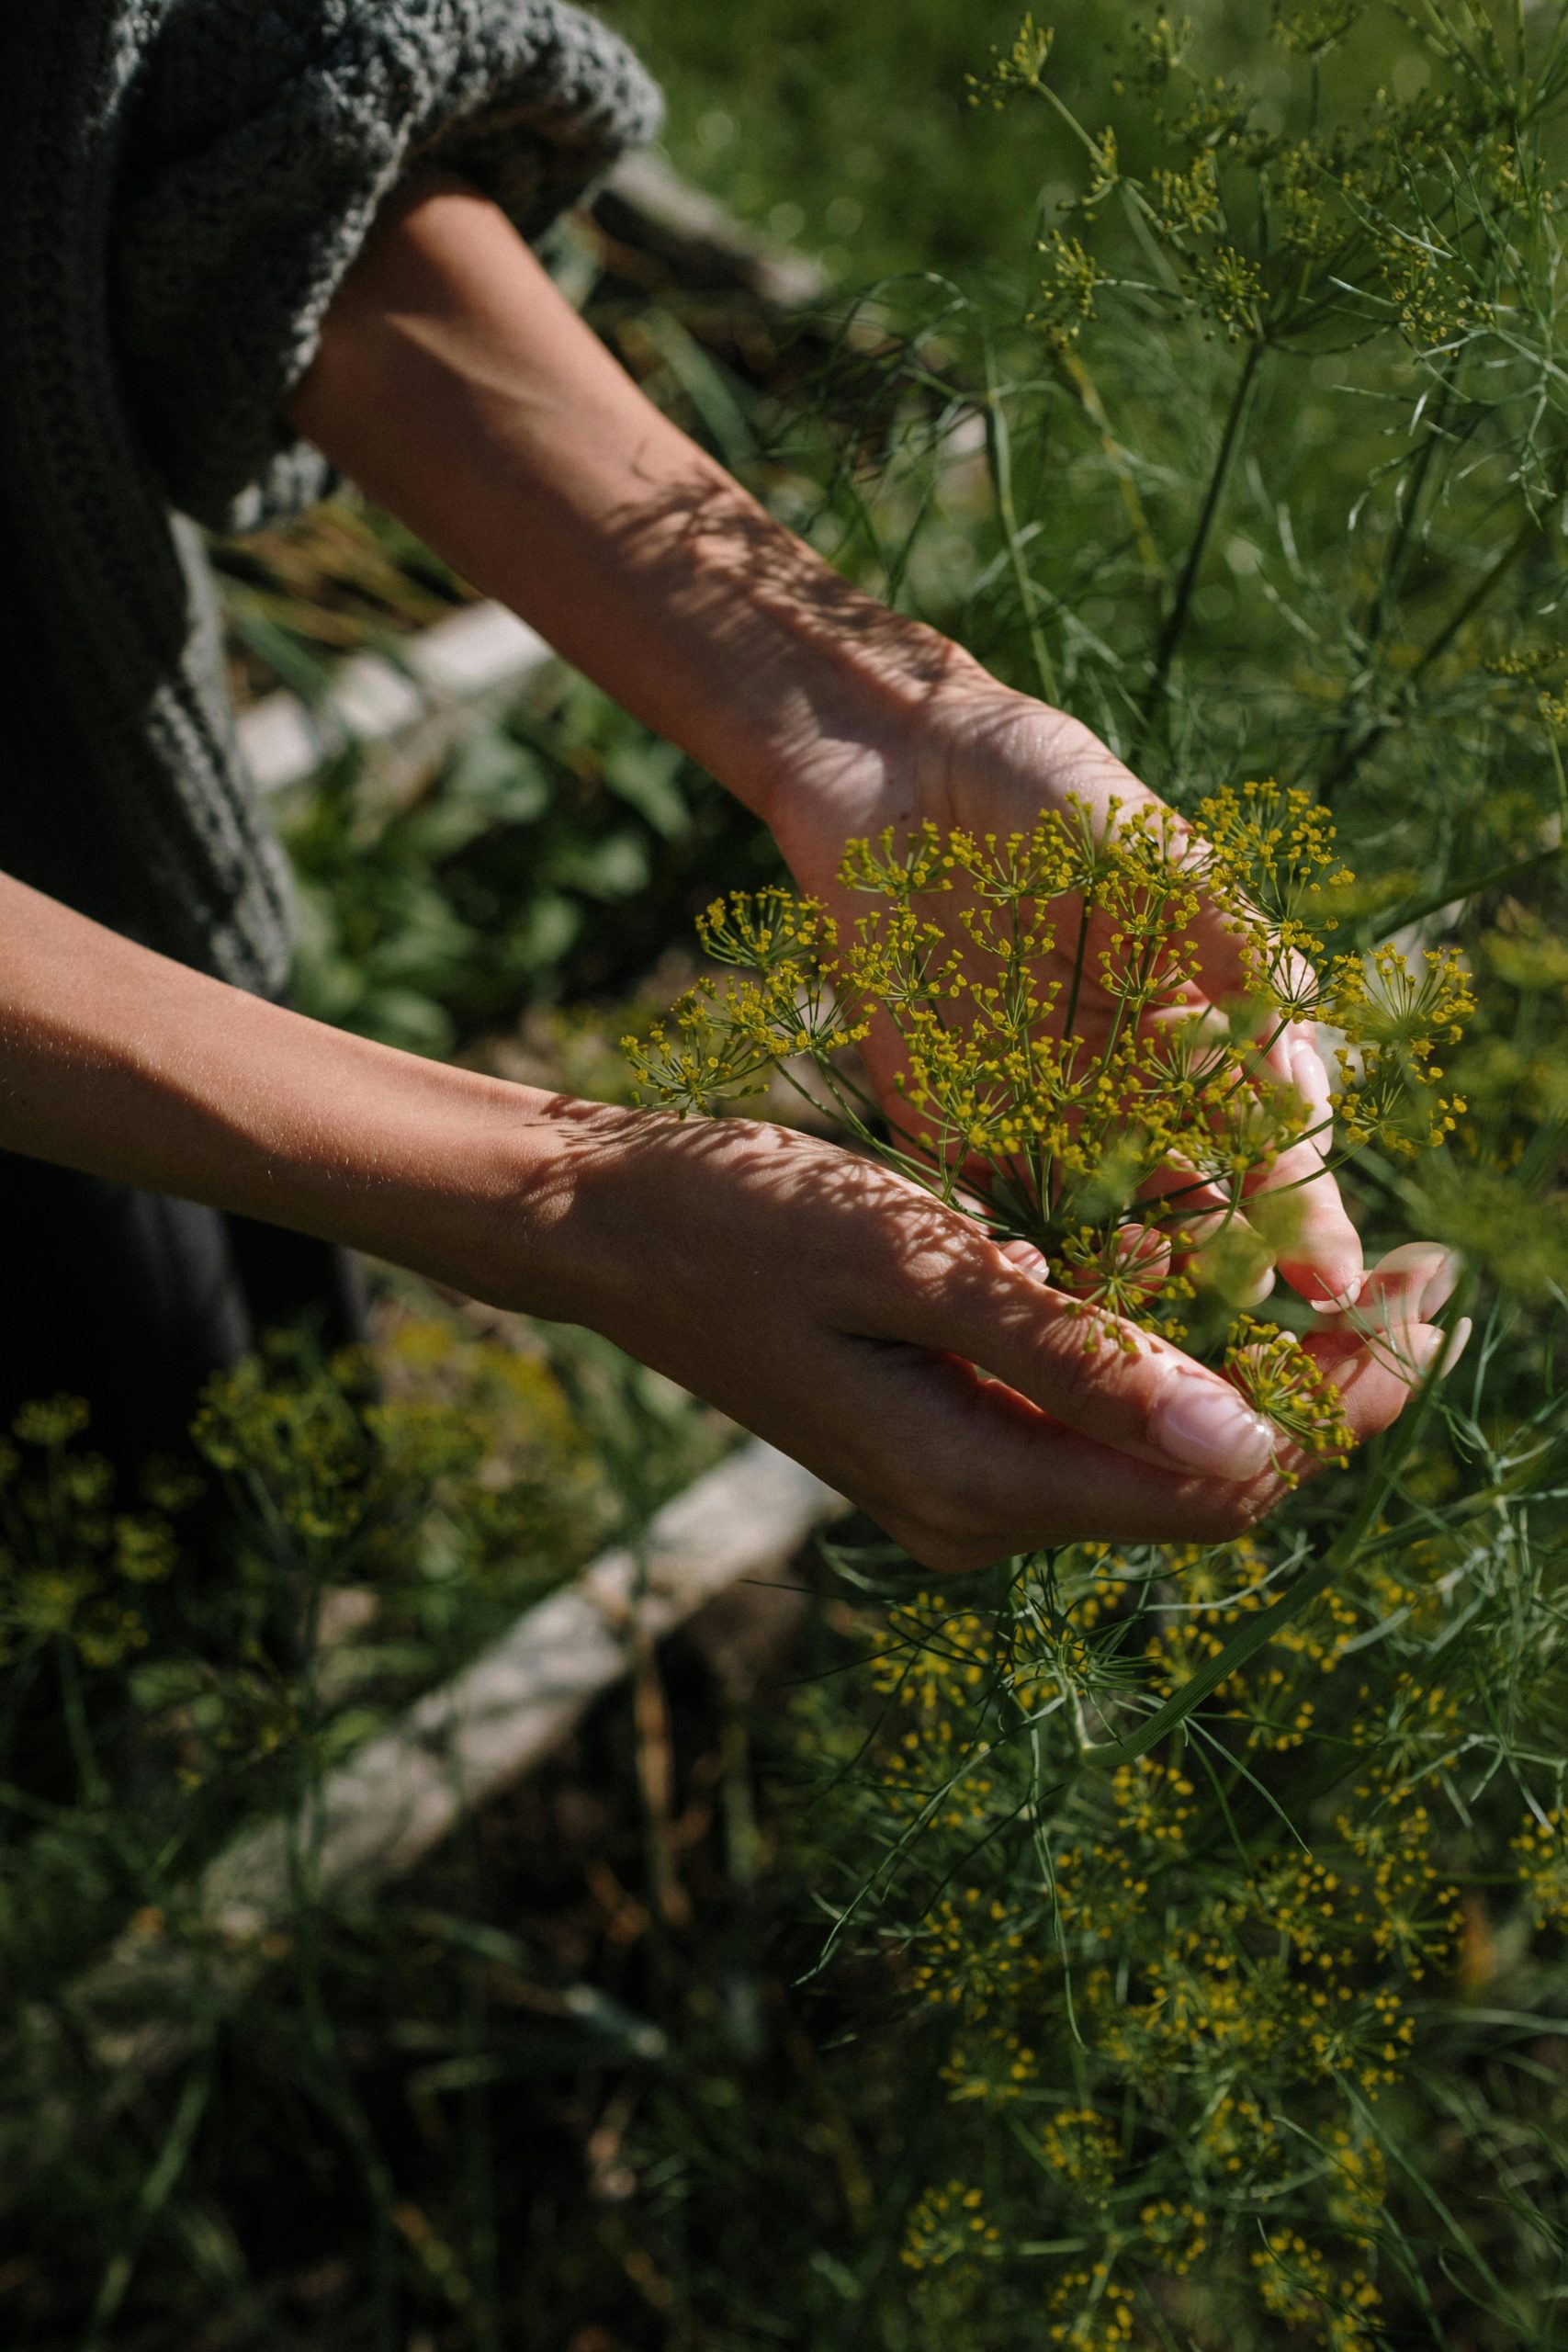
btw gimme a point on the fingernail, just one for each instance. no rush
(1416, 1352)
(1027, 1258)
(1392, 1304)
(1341, 1301)
(1205, 1425)
(1440, 1284)
(1437, 1268)
(1259, 1288)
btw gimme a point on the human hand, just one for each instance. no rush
(970, 754)
(886, 1342)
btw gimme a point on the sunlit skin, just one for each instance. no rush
(811, 1296)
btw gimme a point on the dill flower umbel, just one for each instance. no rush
(1068, 1071)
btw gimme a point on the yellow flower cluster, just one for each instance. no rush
(72, 1564)
(1097, 2308)
(1234, 2025)
(1070, 1069)
(948, 2223)
(1079, 2146)
(1543, 1849)
(444, 1452)
(1299, 2286)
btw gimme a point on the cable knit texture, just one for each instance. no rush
(185, 184)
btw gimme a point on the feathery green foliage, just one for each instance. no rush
(1203, 1870)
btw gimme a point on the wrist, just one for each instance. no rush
(132, 1066)
(476, 1182)
(866, 691)
(778, 673)
(868, 738)
(541, 1203)
(541, 1226)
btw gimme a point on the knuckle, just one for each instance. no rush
(941, 1512)
(1090, 1380)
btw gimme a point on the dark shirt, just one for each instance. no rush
(183, 186)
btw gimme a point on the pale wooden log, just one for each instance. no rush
(479, 651)
(462, 1744)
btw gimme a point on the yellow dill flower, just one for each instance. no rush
(1541, 1846)
(948, 2224)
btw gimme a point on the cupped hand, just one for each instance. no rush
(889, 1344)
(972, 754)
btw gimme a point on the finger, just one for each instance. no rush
(997, 1477)
(1375, 1376)
(1095, 1372)
(1003, 1478)
(1297, 1209)
(1413, 1283)
(1229, 941)
(1310, 1234)
(1145, 1256)
(1140, 1261)
(1178, 1193)
(1319, 1249)
(1225, 1254)
(1207, 1238)
(1374, 1379)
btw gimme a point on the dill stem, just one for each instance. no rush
(999, 454)
(1381, 611)
(1175, 620)
(94, 1788)
(1449, 894)
(1081, 384)
(1080, 954)
(1503, 563)
(1353, 749)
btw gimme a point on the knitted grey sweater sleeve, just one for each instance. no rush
(264, 136)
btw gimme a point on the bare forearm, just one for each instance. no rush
(456, 386)
(119, 1061)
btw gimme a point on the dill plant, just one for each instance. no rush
(1222, 1893)
(1212, 1908)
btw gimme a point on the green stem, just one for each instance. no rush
(157, 2185)
(1528, 530)
(1354, 748)
(89, 1772)
(998, 451)
(1381, 611)
(1497, 878)
(1175, 620)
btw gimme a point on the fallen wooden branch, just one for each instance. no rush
(645, 208)
(479, 649)
(402, 1793)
